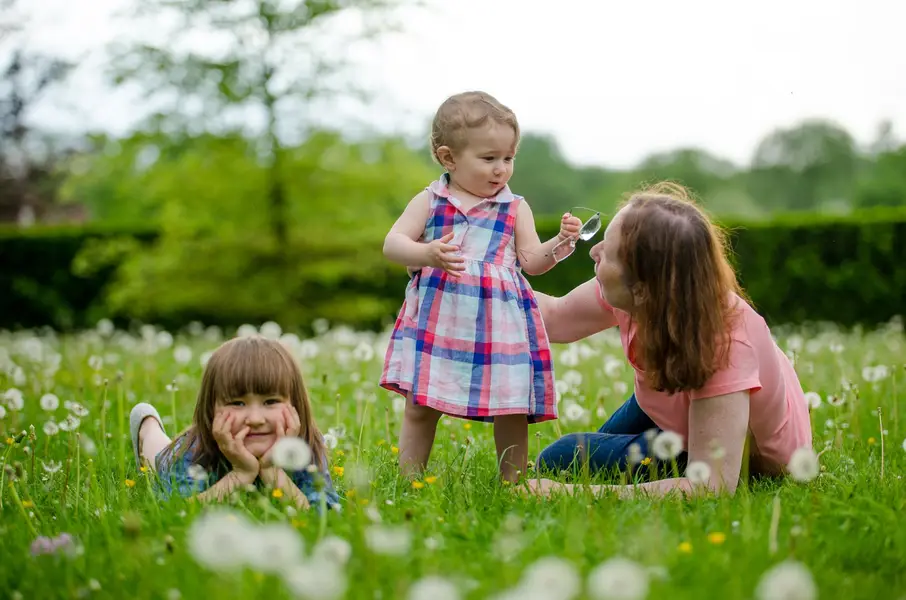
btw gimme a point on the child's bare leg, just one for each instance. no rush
(151, 440)
(416, 437)
(511, 437)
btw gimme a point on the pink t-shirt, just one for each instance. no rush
(778, 413)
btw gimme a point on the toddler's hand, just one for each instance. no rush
(440, 254)
(233, 446)
(569, 227)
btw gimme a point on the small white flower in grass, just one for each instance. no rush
(561, 387)
(94, 585)
(613, 367)
(88, 445)
(164, 339)
(220, 539)
(330, 442)
(291, 453)
(51, 466)
(49, 402)
(904, 444)
(70, 423)
(399, 404)
(204, 358)
(197, 473)
(95, 363)
(813, 399)
(277, 547)
(384, 539)
(246, 330)
(698, 472)
(334, 549)
(316, 579)
(789, 580)
(836, 400)
(555, 578)
(635, 454)
(364, 352)
(51, 428)
(574, 412)
(308, 350)
(2, 411)
(618, 579)
(182, 354)
(271, 330)
(105, 327)
(667, 445)
(803, 465)
(174, 594)
(620, 388)
(433, 588)
(573, 378)
(14, 399)
(78, 410)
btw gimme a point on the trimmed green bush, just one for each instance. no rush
(846, 269)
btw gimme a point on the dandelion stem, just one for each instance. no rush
(881, 433)
(3, 472)
(775, 525)
(121, 436)
(15, 495)
(104, 417)
(66, 475)
(78, 477)
(173, 406)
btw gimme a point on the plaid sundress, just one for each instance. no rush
(473, 347)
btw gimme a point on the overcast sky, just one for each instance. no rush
(611, 81)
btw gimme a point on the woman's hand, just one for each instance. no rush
(244, 463)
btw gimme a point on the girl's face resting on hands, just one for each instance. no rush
(263, 415)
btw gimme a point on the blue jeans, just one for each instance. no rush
(608, 448)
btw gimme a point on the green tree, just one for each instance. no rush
(261, 60)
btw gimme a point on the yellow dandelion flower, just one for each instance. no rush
(363, 501)
(10, 441)
(717, 537)
(417, 485)
(871, 441)
(143, 469)
(507, 482)
(394, 449)
(381, 442)
(340, 453)
(646, 461)
(685, 548)
(297, 523)
(338, 471)
(350, 494)
(277, 493)
(130, 483)
(28, 504)
(467, 426)
(430, 479)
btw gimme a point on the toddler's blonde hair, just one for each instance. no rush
(469, 110)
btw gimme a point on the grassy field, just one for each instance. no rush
(456, 533)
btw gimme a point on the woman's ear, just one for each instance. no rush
(639, 294)
(445, 157)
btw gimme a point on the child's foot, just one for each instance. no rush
(137, 417)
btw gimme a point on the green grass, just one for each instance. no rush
(846, 527)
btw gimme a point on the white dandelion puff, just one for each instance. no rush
(618, 579)
(316, 579)
(363, 352)
(271, 330)
(164, 339)
(78, 410)
(573, 378)
(246, 330)
(803, 465)
(277, 546)
(197, 473)
(51, 466)
(789, 580)
(15, 401)
(182, 354)
(553, 577)
(51, 428)
(49, 402)
(392, 541)
(613, 367)
(70, 423)
(698, 472)
(105, 327)
(291, 453)
(433, 588)
(813, 400)
(95, 363)
(334, 549)
(667, 445)
(330, 442)
(634, 455)
(574, 412)
(220, 539)
(2, 411)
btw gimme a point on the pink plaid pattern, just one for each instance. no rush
(473, 347)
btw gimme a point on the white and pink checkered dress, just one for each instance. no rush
(473, 347)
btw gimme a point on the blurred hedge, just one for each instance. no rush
(796, 268)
